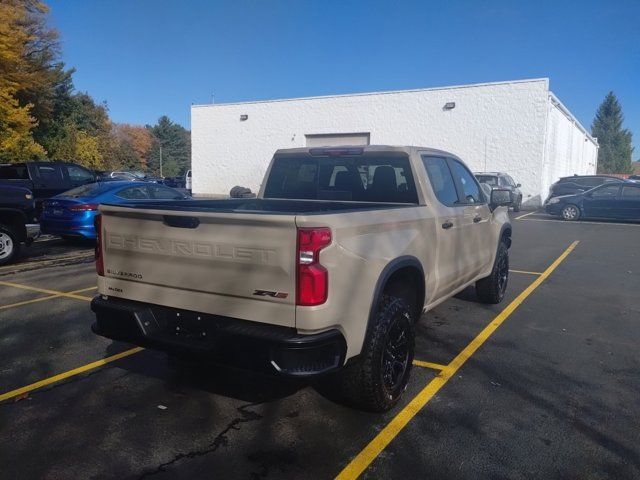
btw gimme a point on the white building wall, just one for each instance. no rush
(499, 126)
(569, 149)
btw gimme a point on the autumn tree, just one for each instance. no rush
(16, 119)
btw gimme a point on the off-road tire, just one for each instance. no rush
(10, 248)
(362, 383)
(491, 289)
(570, 213)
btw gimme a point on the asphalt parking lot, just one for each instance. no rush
(544, 385)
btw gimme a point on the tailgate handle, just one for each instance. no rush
(181, 222)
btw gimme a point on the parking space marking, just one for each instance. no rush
(581, 222)
(47, 261)
(53, 293)
(370, 452)
(431, 365)
(525, 272)
(527, 214)
(70, 373)
(48, 297)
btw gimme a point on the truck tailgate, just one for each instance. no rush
(240, 265)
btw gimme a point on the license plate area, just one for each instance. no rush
(185, 327)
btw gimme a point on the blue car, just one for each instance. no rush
(71, 214)
(618, 201)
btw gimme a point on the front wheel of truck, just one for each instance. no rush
(491, 289)
(378, 378)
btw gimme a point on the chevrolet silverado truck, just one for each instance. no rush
(325, 273)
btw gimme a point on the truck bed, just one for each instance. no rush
(263, 206)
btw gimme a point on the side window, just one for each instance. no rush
(441, 180)
(593, 181)
(164, 193)
(504, 182)
(79, 174)
(608, 191)
(470, 187)
(49, 173)
(510, 181)
(631, 192)
(134, 193)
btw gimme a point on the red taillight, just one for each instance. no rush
(313, 278)
(97, 222)
(84, 207)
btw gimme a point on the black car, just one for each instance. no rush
(45, 179)
(617, 200)
(18, 222)
(578, 184)
(502, 180)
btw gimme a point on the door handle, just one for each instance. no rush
(447, 225)
(477, 219)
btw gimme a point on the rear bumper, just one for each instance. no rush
(33, 231)
(68, 228)
(223, 339)
(554, 208)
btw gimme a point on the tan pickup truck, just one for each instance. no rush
(324, 273)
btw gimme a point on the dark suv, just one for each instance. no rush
(502, 180)
(45, 179)
(579, 184)
(18, 222)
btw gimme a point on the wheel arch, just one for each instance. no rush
(505, 234)
(15, 220)
(401, 268)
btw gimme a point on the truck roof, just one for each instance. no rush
(366, 149)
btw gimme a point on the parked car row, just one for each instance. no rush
(71, 214)
(61, 198)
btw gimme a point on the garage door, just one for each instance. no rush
(336, 139)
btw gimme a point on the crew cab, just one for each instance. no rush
(325, 273)
(45, 179)
(18, 222)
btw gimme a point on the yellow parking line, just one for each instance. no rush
(27, 302)
(525, 272)
(527, 214)
(62, 376)
(355, 468)
(434, 366)
(44, 290)
(46, 261)
(49, 297)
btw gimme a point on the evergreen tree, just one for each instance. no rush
(615, 151)
(175, 141)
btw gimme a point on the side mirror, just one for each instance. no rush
(500, 197)
(518, 185)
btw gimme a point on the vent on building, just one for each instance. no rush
(337, 139)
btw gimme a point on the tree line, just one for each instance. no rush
(42, 116)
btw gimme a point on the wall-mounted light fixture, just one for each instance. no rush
(244, 118)
(449, 106)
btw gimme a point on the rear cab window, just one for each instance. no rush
(488, 179)
(380, 178)
(14, 172)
